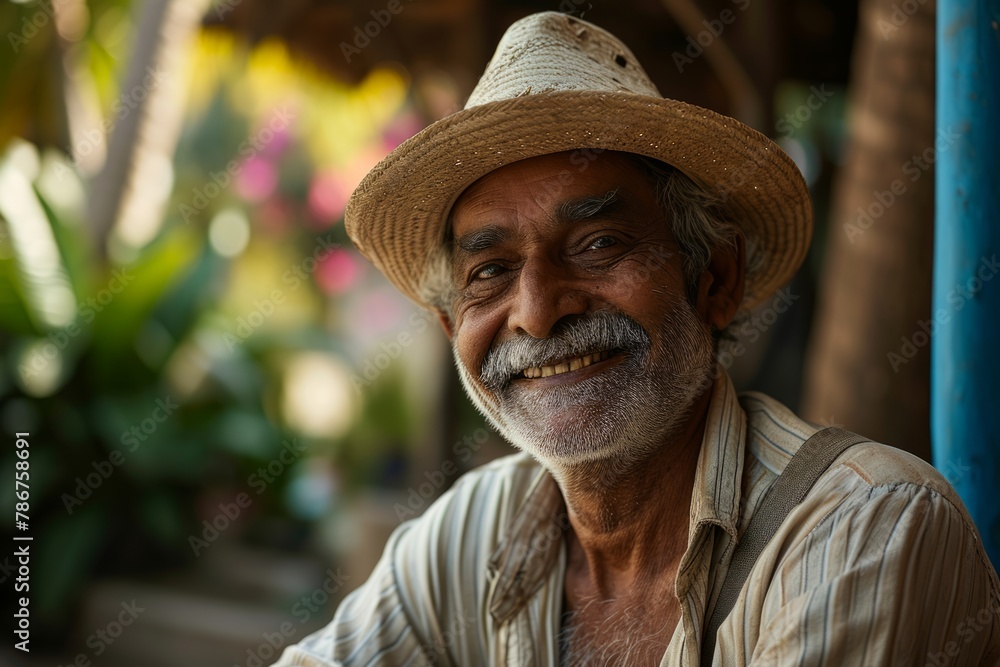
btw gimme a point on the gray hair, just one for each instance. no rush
(698, 222)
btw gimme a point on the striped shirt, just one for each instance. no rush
(879, 565)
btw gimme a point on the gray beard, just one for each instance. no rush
(619, 416)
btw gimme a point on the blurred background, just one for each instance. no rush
(228, 409)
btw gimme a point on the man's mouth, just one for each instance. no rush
(564, 366)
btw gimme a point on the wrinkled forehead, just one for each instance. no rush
(549, 187)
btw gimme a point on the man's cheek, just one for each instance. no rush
(466, 354)
(477, 330)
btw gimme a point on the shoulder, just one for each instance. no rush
(882, 540)
(455, 538)
(889, 500)
(482, 502)
(512, 474)
(429, 588)
(775, 434)
(886, 490)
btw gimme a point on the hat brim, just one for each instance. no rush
(398, 213)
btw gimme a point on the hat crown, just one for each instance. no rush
(552, 51)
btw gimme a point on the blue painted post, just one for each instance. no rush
(965, 345)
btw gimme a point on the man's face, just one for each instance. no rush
(571, 330)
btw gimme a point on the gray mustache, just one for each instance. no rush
(604, 330)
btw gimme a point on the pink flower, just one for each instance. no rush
(337, 272)
(328, 196)
(257, 179)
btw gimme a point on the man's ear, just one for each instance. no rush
(445, 322)
(721, 285)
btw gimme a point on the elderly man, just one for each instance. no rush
(585, 243)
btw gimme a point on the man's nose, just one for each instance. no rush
(544, 295)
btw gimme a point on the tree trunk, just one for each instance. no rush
(868, 363)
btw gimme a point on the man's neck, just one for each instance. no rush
(630, 526)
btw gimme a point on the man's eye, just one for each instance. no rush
(602, 242)
(488, 271)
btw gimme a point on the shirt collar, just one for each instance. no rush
(523, 560)
(715, 497)
(521, 563)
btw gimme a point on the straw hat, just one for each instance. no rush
(557, 83)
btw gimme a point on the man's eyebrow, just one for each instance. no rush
(573, 210)
(482, 239)
(577, 210)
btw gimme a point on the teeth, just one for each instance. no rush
(566, 365)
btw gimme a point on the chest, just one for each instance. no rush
(629, 630)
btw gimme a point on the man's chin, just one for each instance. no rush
(564, 456)
(620, 424)
(574, 434)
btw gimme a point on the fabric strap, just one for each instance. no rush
(813, 457)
